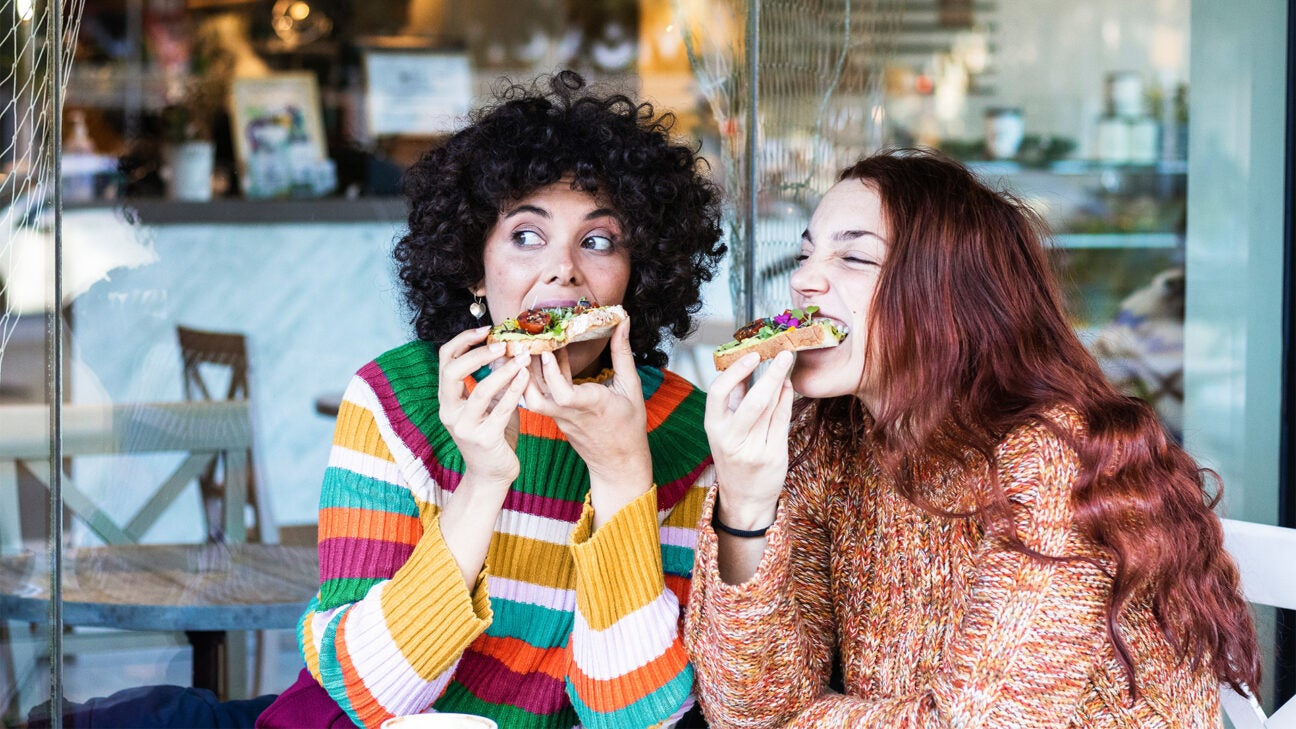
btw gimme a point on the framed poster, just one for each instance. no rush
(279, 135)
(416, 92)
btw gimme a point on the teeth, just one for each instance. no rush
(843, 326)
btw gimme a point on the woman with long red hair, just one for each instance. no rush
(960, 512)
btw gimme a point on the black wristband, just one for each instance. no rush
(740, 533)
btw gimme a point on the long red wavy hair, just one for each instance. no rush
(969, 336)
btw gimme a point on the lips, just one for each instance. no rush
(553, 303)
(841, 325)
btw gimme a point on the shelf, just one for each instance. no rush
(150, 211)
(1074, 167)
(1117, 240)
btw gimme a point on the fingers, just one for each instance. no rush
(460, 357)
(508, 401)
(489, 390)
(623, 363)
(564, 363)
(721, 393)
(462, 342)
(780, 416)
(551, 389)
(745, 411)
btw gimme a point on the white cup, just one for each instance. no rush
(439, 721)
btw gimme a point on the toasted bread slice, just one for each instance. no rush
(596, 323)
(516, 343)
(814, 335)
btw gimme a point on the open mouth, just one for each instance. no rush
(552, 303)
(840, 325)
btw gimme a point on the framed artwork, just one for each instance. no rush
(414, 92)
(279, 136)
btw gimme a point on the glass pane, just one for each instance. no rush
(232, 172)
(232, 193)
(27, 352)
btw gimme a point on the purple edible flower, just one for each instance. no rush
(786, 319)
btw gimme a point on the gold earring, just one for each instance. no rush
(477, 308)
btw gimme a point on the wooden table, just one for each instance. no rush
(328, 404)
(201, 589)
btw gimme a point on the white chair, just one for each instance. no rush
(1264, 555)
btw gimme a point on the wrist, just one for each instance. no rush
(721, 528)
(483, 485)
(744, 517)
(609, 496)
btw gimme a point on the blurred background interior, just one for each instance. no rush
(229, 180)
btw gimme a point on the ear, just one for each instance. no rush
(478, 289)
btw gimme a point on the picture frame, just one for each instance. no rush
(415, 92)
(278, 131)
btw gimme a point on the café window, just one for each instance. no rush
(230, 186)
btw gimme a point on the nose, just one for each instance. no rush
(561, 267)
(808, 278)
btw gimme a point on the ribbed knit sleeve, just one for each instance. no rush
(393, 616)
(395, 630)
(628, 664)
(1025, 636)
(762, 649)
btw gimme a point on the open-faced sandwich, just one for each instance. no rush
(793, 330)
(547, 329)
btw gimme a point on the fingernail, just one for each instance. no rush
(497, 348)
(783, 358)
(751, 358)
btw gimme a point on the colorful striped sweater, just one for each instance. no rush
(562, 627)
(934, 623)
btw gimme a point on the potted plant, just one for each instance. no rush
(189, 154)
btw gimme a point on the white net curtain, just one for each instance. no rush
(29, 131)
(820, 67)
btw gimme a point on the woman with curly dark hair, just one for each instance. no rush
(513, 537)
(961, 512)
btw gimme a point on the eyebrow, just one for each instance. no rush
(597, 213)
(844, 235)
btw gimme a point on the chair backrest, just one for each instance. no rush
(226, 349)
(1264, 555)
(203, 431)
(204, 351)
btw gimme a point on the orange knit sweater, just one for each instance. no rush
(936, 624)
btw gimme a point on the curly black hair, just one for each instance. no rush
(532, 137)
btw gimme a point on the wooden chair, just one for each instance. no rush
(202, 352)
(1264, 555)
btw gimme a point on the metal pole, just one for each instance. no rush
(55, 329)
(753, 95)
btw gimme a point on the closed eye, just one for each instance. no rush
(858, 260)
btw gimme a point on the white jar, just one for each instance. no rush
(1125, 94)
(1004, 129)
(1113, 140)
(1143, 138)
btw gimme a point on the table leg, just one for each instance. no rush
(209, 660)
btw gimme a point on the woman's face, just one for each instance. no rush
(552, 248)
(841, 258)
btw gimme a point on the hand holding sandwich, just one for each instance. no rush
(478, 423)
(605, 423)
(748, 433)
